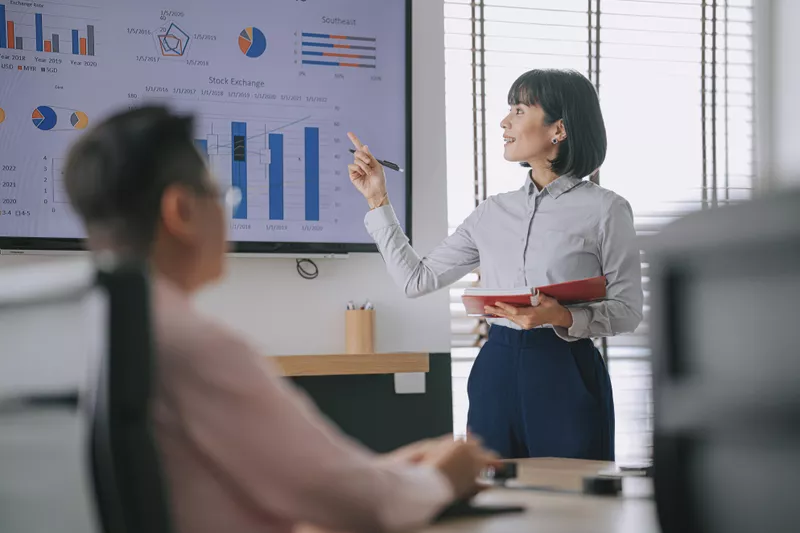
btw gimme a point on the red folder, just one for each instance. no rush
(567, 293)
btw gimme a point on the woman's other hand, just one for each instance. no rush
(546, 310)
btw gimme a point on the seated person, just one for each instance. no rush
(242, 450)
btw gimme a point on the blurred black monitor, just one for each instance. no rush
(726, 368)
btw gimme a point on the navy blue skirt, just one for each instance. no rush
(533, 394)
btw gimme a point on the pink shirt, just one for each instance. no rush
(243, 451)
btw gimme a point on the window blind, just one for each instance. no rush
(675, 80)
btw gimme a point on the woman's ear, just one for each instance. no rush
(561, 131)
(179, 212)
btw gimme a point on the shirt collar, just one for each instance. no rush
(555, 189)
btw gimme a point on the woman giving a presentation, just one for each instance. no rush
(539, 387)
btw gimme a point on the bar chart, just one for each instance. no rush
(312, 173)
(36, 31)
(58, 189)
(260, 162)
(276, 177)
(324, 49)
(239, 165)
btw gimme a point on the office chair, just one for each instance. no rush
(77, 452)
(726, 371)
(51, 324)
(129, 484)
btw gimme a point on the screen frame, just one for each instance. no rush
(47, 244)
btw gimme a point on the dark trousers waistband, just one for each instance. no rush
(529, 337)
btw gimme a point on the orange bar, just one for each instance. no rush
(83, 46)
(341, 46)
(338, 37)
(10, 31)
(349, 65)
(331, 54)
(48, 47)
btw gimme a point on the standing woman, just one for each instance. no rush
(539, 387)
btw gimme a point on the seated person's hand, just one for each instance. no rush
(459, 461)
(415, 452)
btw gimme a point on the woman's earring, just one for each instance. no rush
(555, 140)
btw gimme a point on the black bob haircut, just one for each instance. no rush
(569, 96)
(116, 174)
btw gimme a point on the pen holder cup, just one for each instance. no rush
(359, 334)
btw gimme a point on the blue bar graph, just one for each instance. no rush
(202, 147)
(39, 33)
(275, 176)
(239, 165)
(76, 43)
(319, 45)
(3, 36)
(312, 174)
(318, 35)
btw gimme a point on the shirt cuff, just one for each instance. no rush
(430, 494)
(580, 325)
(380, 218)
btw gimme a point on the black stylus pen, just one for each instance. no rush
(387, 164)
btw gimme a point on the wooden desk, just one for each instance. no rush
(557, 512)
(567, 512)
(352, 364)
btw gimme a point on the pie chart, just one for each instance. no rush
(252, 42)
(44, 118)
(79, 120)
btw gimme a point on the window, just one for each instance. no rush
(675, 80)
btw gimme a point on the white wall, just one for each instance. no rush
(777, 26)
(287, 315)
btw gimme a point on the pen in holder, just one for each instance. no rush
(359, 331)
